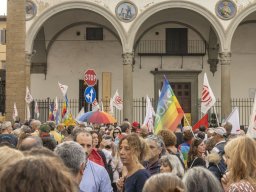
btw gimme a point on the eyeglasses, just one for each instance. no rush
(116, 132)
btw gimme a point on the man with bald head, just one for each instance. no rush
(30, 142)
(95, 178)
(35, 125)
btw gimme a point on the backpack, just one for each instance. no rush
(109, 169)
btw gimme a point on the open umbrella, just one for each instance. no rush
(97, 117)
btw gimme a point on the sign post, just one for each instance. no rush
(89, 93)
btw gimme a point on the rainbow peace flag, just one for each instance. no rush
(169, 112)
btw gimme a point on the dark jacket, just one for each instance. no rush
(216, 166)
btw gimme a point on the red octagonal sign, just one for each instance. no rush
(90, 77)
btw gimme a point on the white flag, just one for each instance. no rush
(111, 108)
(117, 101)
(233, 118)
(81, 112)
(37, 110)
(56, 110)
(28, 112)
(28, 97)
(148, 121)
(208, 99)
(63, 88)
(95, 105)
(101, 105)
(15, 112)
(252, 125)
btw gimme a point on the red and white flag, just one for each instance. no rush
(149, 121)
(252, 125)
(208, 99)
(63, 88)
(28, 97)
(37, 110)
(117, 101)
(15, 112)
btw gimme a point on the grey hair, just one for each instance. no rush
(201, 179)
(72, 154)
(159, 141)
(175, 164)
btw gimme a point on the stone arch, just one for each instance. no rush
(236, 22)
(176, 4)
(38, 22)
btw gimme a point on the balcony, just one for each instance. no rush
(164, 48)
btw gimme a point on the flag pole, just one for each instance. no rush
(189, 125)
(214, 108)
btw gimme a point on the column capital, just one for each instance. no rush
(225, 58)
(28, 57)
(128, 58)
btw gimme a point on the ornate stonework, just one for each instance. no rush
(128, 58)
(225, 58)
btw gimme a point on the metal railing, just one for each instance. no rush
(194, 47)
(139, 109)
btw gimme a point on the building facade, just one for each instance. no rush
(131, 45)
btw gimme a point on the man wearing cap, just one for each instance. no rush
(6, 138)
(219, 140)
(218, 137)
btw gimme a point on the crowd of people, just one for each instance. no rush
(46, 157)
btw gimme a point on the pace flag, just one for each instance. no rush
(169, 112)
(208, 99)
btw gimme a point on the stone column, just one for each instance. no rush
(225, 60)
(15, 58)
(27, 70)
(128, 86)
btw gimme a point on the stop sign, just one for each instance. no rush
(90, 77)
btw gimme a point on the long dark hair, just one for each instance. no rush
(193, 148)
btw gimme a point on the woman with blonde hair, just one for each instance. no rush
(38, 174)
(171, 164)
(240, 158)
(133, 151)
(8, 156)
(164, 182)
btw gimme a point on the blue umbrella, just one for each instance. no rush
(85, 116)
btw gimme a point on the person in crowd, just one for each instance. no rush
(74, 158)
(133, 151)
(214, 162)
(6, 138)
(164, 182)
(57, 137)
(171, 164)
(219, 140)
(30, 142)
(184, 147)
(170, 141)
(39, 174)
(95, 178)
(126, 128)
(44, 133)
(135, 127)
(228, 128)
(116, 135)
(157, 149)
(8, 156)
(199, 179)
(201, 135)
(35, 125)
(179, 135)
(240, 158)
(144, 132)
(196, 154)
